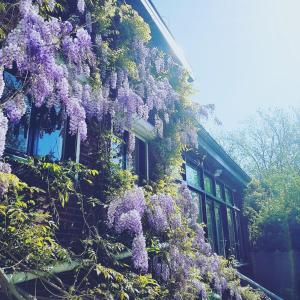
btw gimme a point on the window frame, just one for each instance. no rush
(223, 205)
(130, 165)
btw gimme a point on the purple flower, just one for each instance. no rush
(113, 80)
(157, 219)
(198, 285)
(5, 168)
(131, 143)
(139, 253)
(15, 108)
(130, 221)
(3, 130)
(132, 200)
(160, 214)
(2, 83)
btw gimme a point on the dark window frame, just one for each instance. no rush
(224, 207)
(140, 166)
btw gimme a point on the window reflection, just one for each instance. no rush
(219, 191)
(117, 151)
(48, 132)
(192, 176)
(228, 196)
(140, 159)
(232, 248)
(198, 197)
(208, 185)
(17, 134)
(240, 244)
(219, 227)
(210, 224)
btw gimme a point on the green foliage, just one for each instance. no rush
(272, 207)
(132, 25)
(103, 13)
(26, 231)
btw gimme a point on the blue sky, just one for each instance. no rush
(245, 54)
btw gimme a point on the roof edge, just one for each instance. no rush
(215, 146)
(163, 28)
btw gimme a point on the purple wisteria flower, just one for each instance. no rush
(15, 108)
(2, 83)
(36, 46)
(125, 214)
(5, 168)
(130, 221)
(131, 200)
(3, 130)
(160, 213)
(139, 253)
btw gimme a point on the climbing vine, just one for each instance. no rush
(94, 60)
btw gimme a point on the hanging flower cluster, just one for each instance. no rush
(61, 65)
(3, 130)
(125, 215)
(189, 257)
(36, 46)
(187, 260)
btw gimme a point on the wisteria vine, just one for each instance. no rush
(187, 259)
(89, 72)
(62, 65)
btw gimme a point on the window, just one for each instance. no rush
(40, 132)
(210, 224)
(118, 150)
(198, 197)
(208, 184)
(240, 245)
(219, 191)
(216, 210)
(48, 133)
(17, 134)
(220, 232)
(140, 159)
(228, 196)
(230, 220)
(192, 176)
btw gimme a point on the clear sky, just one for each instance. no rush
(245, 54)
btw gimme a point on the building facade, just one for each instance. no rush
(215, 180)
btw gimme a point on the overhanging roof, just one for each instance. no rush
(217, 152)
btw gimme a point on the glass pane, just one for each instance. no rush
(228, 195)
(117, 151)
(197, 197)
(240, 245)
(208, 185)
(50, 144)
(192, 176)
(140, 159)
(48, 133)
(17, 134)
(232, 250)
(11, 82)
(220, 232)
(210, 228)
(219, 191)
